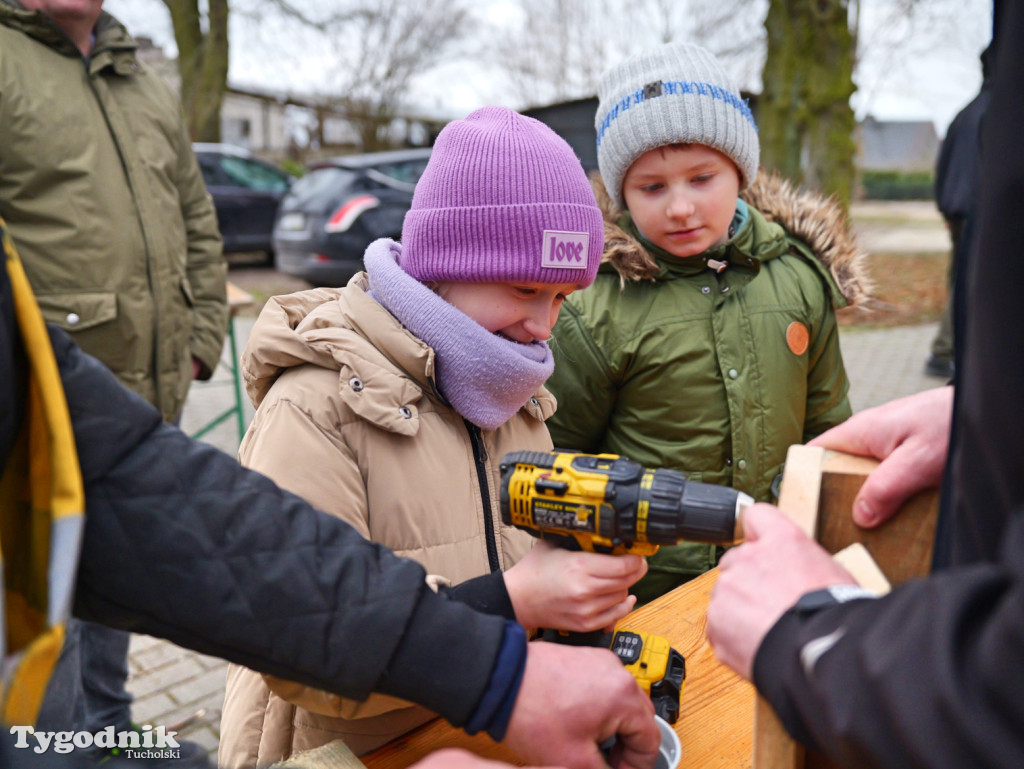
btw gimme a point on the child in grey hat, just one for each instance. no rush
(708, 342)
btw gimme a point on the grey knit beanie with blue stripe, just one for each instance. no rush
(676, 93)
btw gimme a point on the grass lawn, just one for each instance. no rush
(910, 288)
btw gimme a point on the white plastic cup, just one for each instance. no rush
(671, 751)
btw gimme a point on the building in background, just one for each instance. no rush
(279, 125)
(897, 145)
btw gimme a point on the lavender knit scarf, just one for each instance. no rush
(485, 377)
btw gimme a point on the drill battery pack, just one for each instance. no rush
(659, 669)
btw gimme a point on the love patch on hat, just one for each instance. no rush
(797, 337)
(564, 250)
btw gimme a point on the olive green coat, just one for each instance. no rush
(104, 200)
(673, 364)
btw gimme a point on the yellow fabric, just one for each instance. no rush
(41, 485)
(24, 693)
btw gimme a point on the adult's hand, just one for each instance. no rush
(762, 578)
(453, 758)
(910, 436)
(572, 699)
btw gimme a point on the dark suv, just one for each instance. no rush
(246, 192)
(331, 214)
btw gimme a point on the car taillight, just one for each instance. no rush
(349, 211)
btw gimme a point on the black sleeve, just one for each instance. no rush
(929, 676)
(182, 543)
(486, 593)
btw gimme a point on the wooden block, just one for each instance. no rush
(799, 499)
(818, 490)
(858, 561)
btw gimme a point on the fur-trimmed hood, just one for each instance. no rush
(817, 221)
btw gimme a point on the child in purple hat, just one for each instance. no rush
(390, 403)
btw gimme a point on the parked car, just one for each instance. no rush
(339, 207)
(246, 192)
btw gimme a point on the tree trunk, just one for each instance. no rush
(202, 64)
(806, 122)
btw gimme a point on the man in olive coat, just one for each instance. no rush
(119, 239)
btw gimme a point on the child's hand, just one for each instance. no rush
(571, 590)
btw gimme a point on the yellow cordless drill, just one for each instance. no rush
(609, 504)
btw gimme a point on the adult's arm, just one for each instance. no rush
(927, 676)
(206, 268)
(183, 543)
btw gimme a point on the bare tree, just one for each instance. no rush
(202, 63)
(382, 47)
(378, 49)
(903, 33)
(558, 48)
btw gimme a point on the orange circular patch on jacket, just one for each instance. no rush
(797, 337)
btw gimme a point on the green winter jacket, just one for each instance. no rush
(104, 200)
(672, 364)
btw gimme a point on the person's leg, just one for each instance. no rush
(104, 673)
(86, 691)
(940, 363)
(64, 701)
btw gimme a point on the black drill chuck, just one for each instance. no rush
(680, 509)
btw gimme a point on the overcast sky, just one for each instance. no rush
(925, 70)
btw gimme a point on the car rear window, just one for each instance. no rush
(252, 175)
(318, 182)
(408, 172)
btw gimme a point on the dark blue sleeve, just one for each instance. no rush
(182, 543)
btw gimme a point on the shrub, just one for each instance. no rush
(898, 185)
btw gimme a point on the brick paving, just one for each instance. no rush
(184, 691)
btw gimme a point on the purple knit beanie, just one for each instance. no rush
(503, 198)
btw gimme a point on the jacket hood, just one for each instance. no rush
(817, 221)
(328, 328)
(110, 33)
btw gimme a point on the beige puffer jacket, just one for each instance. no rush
(349, 419)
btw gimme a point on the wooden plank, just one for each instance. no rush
(771, 745)
(799, 499)
(801, 487)
(714, 724)
(889, 554)
(238, 297)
